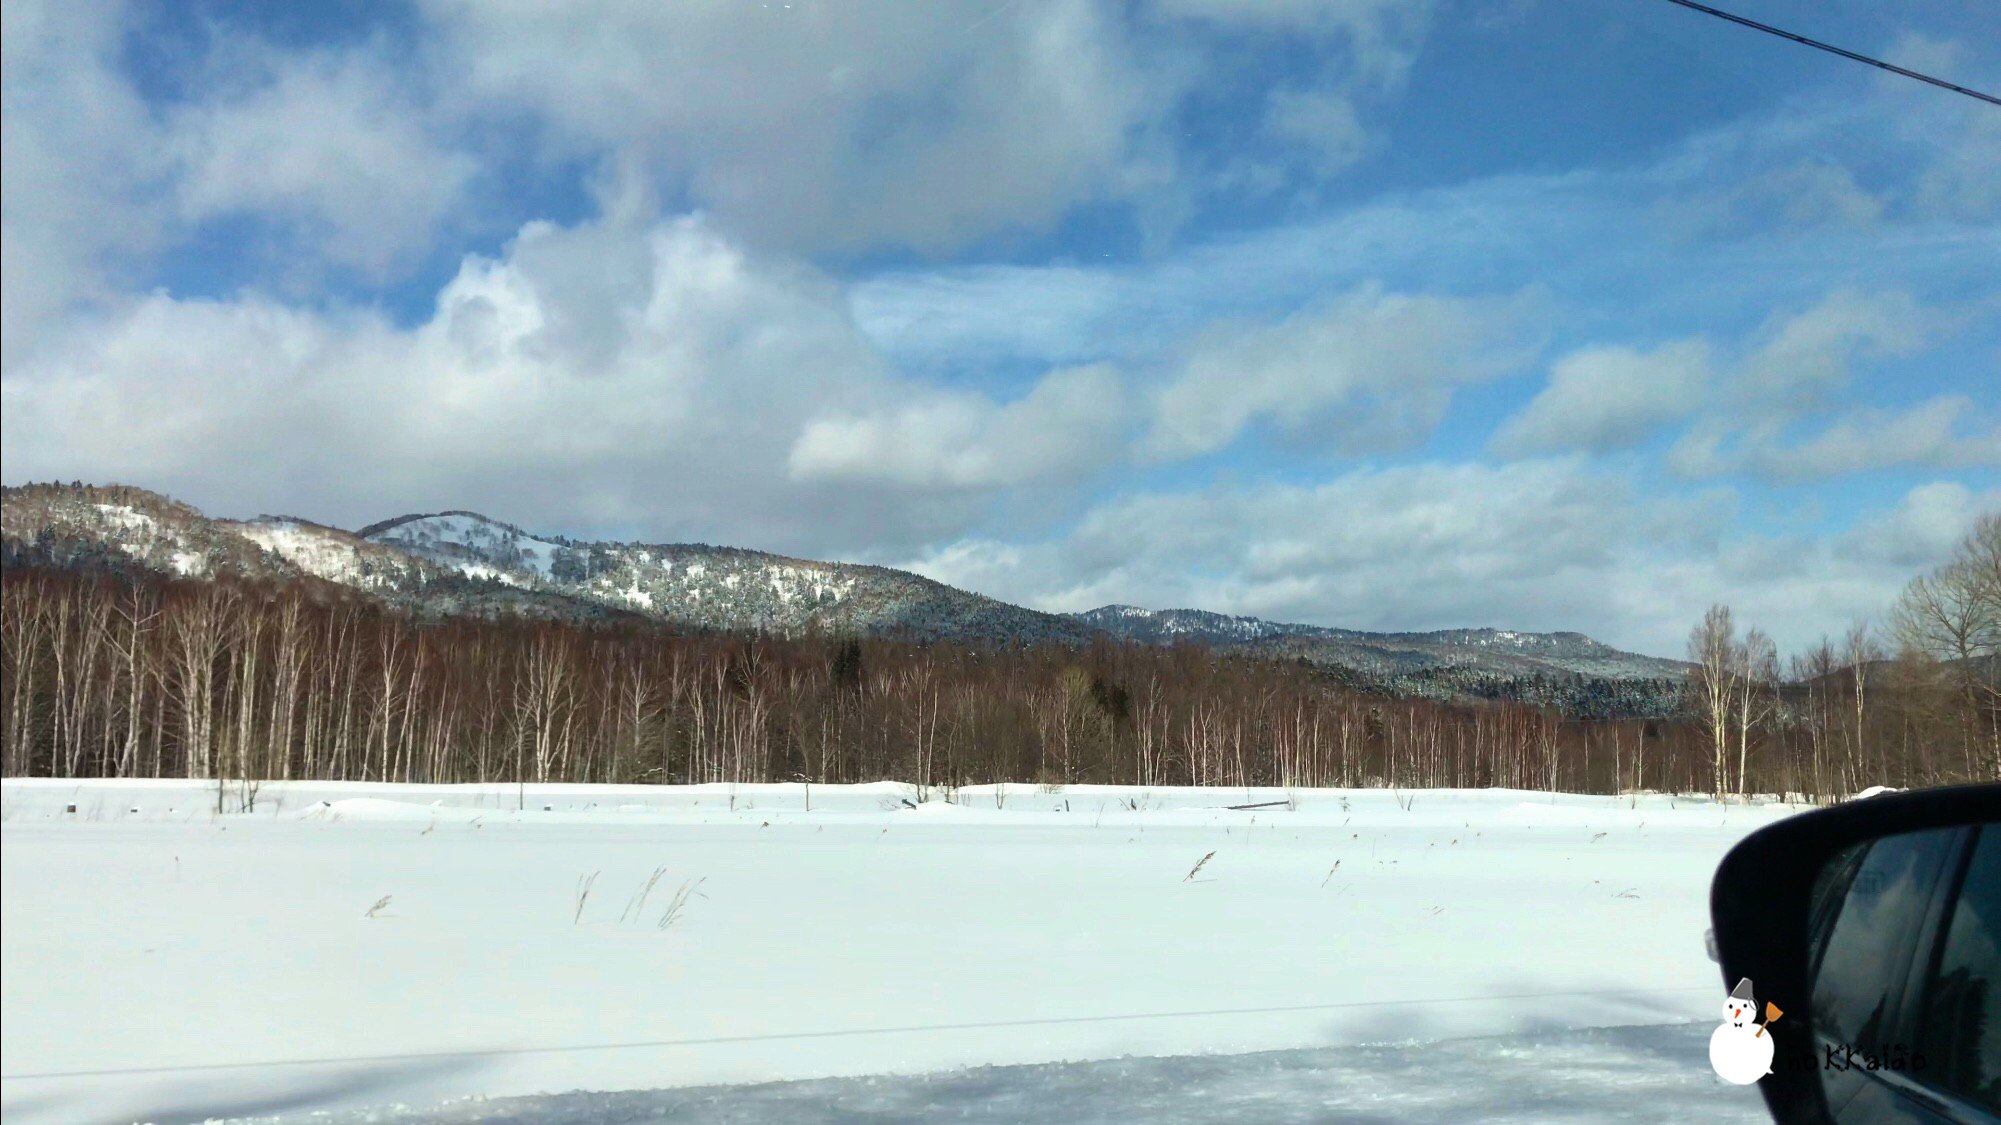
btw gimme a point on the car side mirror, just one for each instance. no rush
(1837, 916)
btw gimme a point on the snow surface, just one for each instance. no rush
(478, 534)
(172, 963)
(126, 516)
(311, 550)
(1621, 1074)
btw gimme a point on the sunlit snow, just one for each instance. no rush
(354, 945)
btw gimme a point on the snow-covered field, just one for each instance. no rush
(344, 946)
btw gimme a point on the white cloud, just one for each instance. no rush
(333, 148)
(1699, 453)
(830, 125)
(647, 380)
(1933, 434)
(1926, 435)
(1777, 412)
(1609, 398)
(1411, 546)
(1377, 368)
(1805, 357)
(1071, 422)
(1810, 192)
(331, 141)
(1782, 414)
(690, 378)
(1320, 124)
(1553, 544)
(1928, 522)
(1960, 181)
(1961, 137)
(79, 172)
(937, 318)
(816, 126)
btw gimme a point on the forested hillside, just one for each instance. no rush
(462, 564)
(179, 651)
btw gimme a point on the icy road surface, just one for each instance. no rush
(172, 963)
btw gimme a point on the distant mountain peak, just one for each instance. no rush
(1502, 651)
(460, 562)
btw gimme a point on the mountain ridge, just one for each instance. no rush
(1520, 650)
(463, 562)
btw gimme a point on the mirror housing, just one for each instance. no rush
(1759, 904)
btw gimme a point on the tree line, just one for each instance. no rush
(1921, 703)
(115, 674)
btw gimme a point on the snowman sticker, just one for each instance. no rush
(1740, 1049)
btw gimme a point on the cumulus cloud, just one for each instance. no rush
(330, 149)
(333, 141)
(1549, 544)
(1069, 424)
(1609, 398)
(1927, 523)
(692, 377)
(79, 169)
(1420, 545)
(805, 127)
(821, 126)
(1377, 367)
(817, 126)
(649, 381)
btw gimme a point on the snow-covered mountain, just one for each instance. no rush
(694, 585)
(120, 529)
(1500, 651)
(1165, 626)
(463, 563)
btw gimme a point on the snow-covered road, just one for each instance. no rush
(1590, 1077)
(173, 961)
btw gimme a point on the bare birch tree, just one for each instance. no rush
(1712, 649)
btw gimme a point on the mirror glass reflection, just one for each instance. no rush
(1906, 968)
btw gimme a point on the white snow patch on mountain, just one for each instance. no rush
(120, 515)
(483, 571)
(314, 551)
(475, 537)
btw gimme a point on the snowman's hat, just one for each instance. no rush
(1743, 992)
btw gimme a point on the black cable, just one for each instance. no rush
(1832, 49)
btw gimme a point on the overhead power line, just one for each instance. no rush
(1832, 49)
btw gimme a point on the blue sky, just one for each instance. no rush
(1548, 314)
